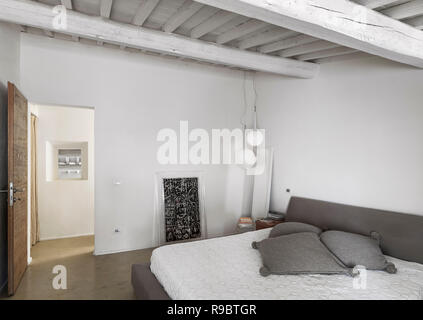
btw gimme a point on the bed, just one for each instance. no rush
(227, 267)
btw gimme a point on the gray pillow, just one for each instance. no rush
(354, 249)
(297, 253)
(286, 228)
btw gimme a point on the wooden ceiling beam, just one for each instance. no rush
(344, 22)
(305, 39)
(38, 15)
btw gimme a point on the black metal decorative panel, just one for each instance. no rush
(181, 208)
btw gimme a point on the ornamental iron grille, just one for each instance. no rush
(181, 209)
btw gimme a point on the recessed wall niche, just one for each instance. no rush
(69, 164)
(66, 161)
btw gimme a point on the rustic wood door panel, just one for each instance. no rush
(17, 173)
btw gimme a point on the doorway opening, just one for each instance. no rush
(61, 182)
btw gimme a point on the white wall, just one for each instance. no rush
(135, 96)
(9, 71)
(352, 135)
(9, 54)
(65, 207)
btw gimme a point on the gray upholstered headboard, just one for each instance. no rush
(401, 234)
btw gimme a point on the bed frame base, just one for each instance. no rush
(401, 235)
(145, 284)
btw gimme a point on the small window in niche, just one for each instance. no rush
(70, 164)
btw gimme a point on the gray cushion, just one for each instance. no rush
(297, 253)
(286, 228)
(354, 249)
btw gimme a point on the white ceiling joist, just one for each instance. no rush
(416, 22)
(144, 11)
(343, 57)
(307, 48)
(326, 53)
(106, 8)
(266, 37)
(202, 15)
(67, 4)
(235, 22)
(212, 23)
(287, 43)
(343, 22)
(405, 10)
(373, 4)
(241, 30)
(41, 16)
(186, 11)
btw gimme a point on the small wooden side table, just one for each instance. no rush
(266, 223)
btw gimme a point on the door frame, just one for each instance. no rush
(35, 105)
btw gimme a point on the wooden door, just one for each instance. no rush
(17, 212)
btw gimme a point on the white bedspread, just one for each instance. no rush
(228, 268)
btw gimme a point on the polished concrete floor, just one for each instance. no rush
(88, 276)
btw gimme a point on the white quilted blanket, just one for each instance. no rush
(228, 268)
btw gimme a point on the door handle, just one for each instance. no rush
(11, 192)
(11, 198)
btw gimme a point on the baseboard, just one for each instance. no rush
(102, 252)
(69, 236)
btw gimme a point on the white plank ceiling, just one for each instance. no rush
(202, 23)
